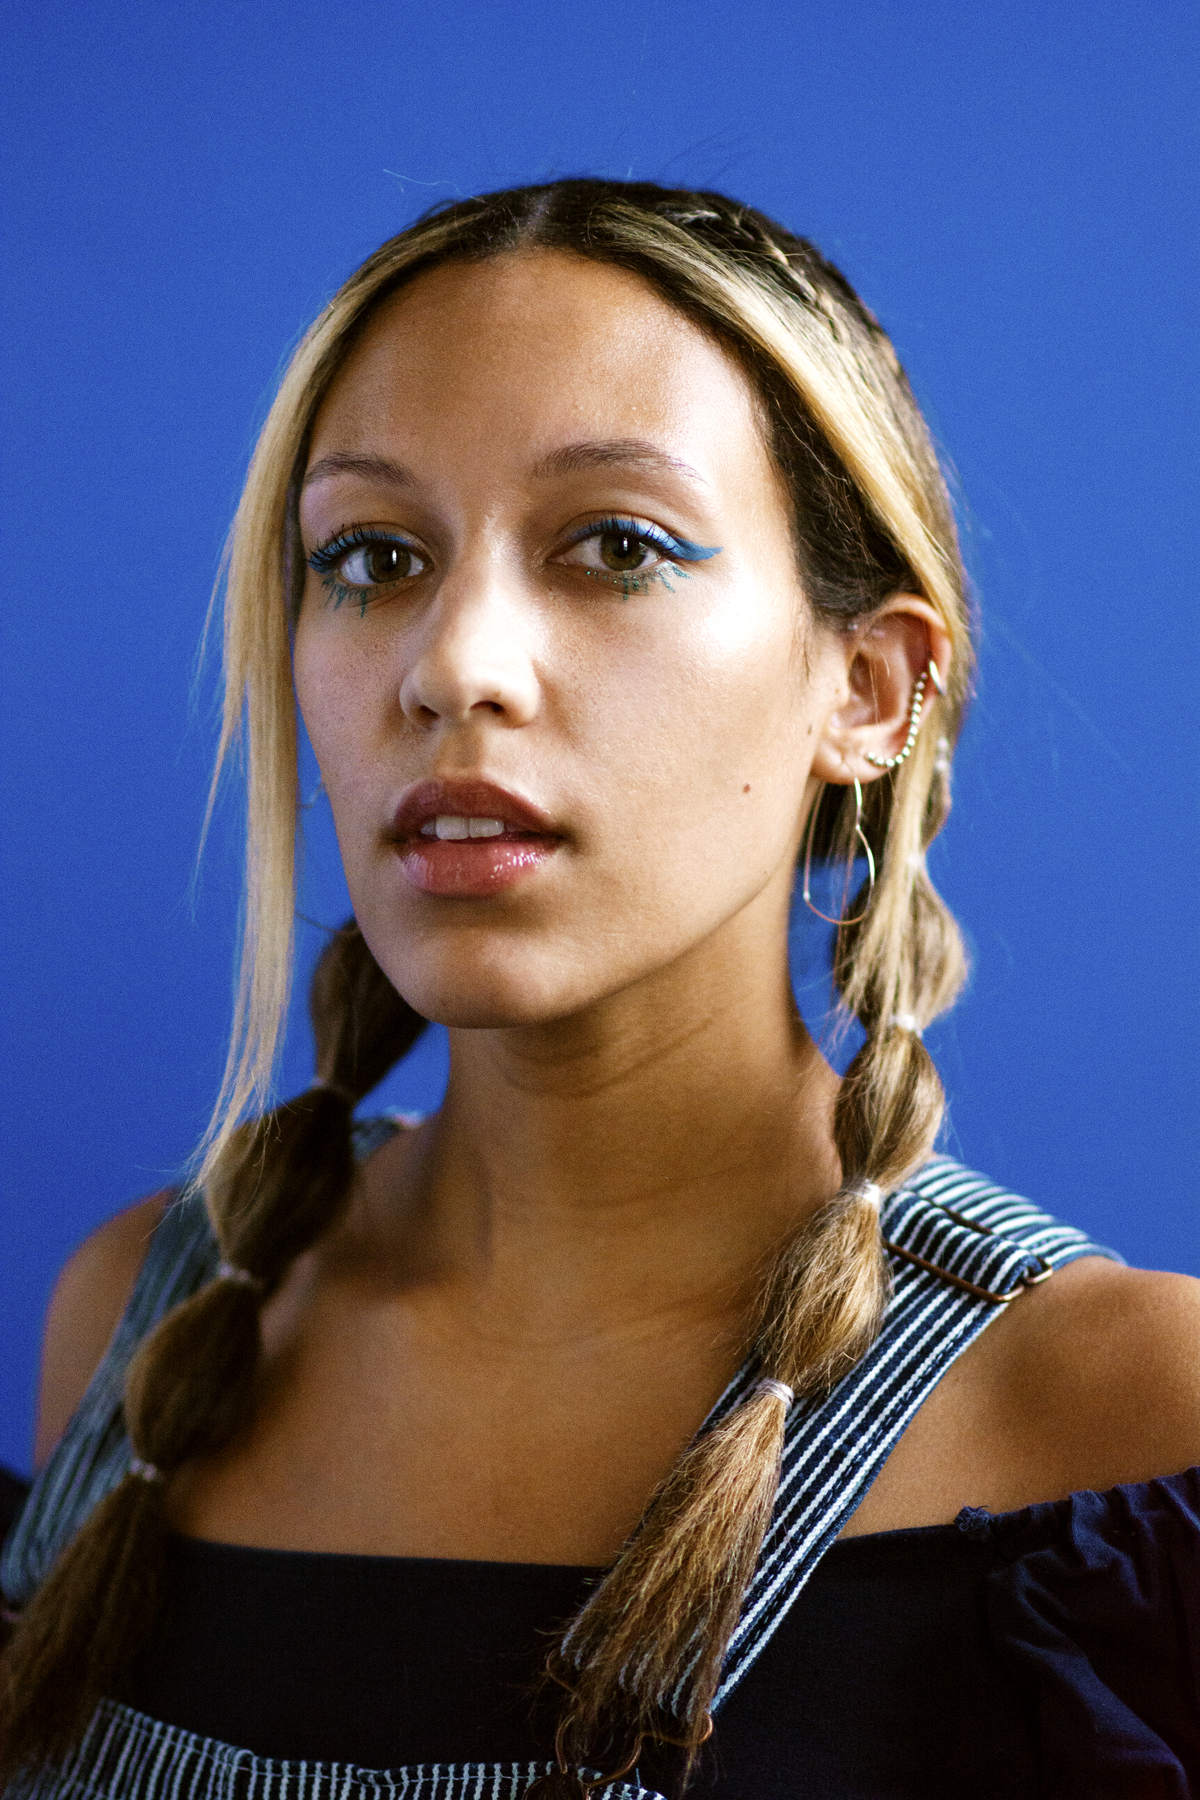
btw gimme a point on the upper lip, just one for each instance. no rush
(466, 798)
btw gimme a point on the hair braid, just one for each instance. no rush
(872, 518)
(643, 1659)
(190, 1388)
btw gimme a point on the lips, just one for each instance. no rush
(470, 838)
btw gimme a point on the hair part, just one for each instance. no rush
(872, 517)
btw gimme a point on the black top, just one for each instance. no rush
(1050, 1651)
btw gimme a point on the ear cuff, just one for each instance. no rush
(930, 673)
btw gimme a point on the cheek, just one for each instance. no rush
(683, 721)
(343, 702)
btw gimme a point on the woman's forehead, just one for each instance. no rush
(534, 332)
(526, 353)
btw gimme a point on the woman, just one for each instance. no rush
(599, 534)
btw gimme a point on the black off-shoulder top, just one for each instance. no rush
(1053, 1651)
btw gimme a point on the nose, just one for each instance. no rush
(473, 655)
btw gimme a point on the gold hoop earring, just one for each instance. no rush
(861, 836)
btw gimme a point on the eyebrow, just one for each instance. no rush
(601, 453)
(571, 459)
(374, 468)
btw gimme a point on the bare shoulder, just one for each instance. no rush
(1088, 1380)
(1095, 1374)
(89, 1298)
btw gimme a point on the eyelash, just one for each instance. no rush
(325, 558)
(637, 581)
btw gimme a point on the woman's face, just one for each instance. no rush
(553, 653)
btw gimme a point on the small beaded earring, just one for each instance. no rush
(914, 718)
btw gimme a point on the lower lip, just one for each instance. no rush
(472, 867)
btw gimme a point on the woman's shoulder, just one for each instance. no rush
(1098, 1338)
(1087, 1379)
(130, 1269)
(116, 1287)
(89, 1299)
(1098, 1370)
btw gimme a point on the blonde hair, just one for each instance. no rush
(872, 517)
(785, 310)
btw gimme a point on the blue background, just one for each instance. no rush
(1013, 189)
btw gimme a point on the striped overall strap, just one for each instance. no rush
(93, 1453)
(960, 1249)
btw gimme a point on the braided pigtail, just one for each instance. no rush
(643, 1659)
(872, 519)
(276, 1186)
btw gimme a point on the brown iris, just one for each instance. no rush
(621, 551)
(386, 562)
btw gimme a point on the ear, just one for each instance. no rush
(885, 657)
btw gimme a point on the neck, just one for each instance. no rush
(646, 1154)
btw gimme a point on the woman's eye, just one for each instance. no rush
(622, 551)
(615, 550)
(371, 565)
(354, 562)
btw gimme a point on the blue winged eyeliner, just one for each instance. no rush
(325, 559)
(679, 547)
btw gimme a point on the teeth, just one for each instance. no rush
(450, 825)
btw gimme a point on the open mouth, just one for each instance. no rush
(470, 838)
(451, 828)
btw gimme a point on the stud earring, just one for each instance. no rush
(914, 721)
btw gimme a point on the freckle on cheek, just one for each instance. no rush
(746, 789)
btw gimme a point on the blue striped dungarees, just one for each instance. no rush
(957, 1245)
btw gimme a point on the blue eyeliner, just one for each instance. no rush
(694, 552)
(680, 548)
(329, 555)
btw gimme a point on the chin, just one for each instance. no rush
(480, 989)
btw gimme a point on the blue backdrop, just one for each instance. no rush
(1012, 186)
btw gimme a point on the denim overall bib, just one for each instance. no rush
(959, 1249)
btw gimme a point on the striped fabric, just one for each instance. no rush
(834, 1448)
(126, 1756)
(93, 1453)
(969, 1230)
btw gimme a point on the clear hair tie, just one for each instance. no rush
(780, 1389)
(241, 1277)
(143, 1470)
(870, 1191)
(906, 1022)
